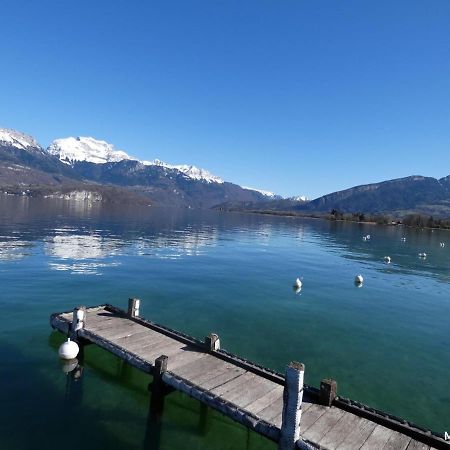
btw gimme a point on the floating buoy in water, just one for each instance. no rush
(68, 350)
(422, 255)
(298, 283)
(387, 259)
(359, 279)
(364, 238)
(368, 237)
(442, 244)
(403, 239)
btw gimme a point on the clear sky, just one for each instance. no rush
(297, 97)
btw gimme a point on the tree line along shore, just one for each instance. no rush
(413, 220)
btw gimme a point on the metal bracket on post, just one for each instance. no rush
(212, 342)
(133, 307)
(292, 406)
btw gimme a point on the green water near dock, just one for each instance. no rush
(386, 343)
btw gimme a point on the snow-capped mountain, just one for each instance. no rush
(85, 167)
(13, 138)
(190, 171)
(24, 162)
(263, 192)
(299, 198)
(71, 149)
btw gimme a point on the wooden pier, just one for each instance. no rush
(279, 407)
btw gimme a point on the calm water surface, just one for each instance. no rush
(387, 343)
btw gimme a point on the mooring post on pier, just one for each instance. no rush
(78, 321)
(212, 342)
(159, 369)
(328, 390)
(133, 307)
(292, 406)
(204, 421)
(156, 407)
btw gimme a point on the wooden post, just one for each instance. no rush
(156, 408)
(160, 368)
(328, 389)
(204, 421)
(292, 406)
(212, 342)
(125, 372)
(78, 321)
(133, 307)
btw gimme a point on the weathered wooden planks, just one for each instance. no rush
(350, 431)
(381, 436)
(415, 445)
(234, 384)
(253, 392)
(198, 370)
(310, 416)
(323, 424)
(219, 379)
(273, 410)
(243, 391)
(265, 400)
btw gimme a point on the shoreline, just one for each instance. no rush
(293, 214)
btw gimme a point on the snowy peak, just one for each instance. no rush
(16, 139)
(188, 171)
(263, 192)
(299, 198)
(198, 174)
(70, 150)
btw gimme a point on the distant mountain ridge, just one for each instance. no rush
(401, 195)
(398, 197)
(85, 160)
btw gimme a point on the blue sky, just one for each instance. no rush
(297, 97)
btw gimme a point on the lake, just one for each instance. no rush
(386, 343)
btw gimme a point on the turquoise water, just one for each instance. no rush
(386, 343)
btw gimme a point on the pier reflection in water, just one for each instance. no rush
(155, 415)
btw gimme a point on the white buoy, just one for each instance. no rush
(403, 239)
(68, 350)
(387, 259)
(364, 238)
(422, 255)
(298, 283)
(359, 279)
(442, 244)
(368, 237)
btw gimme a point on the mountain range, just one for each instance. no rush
(90, 169)
(97, 170)
(398, 198)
